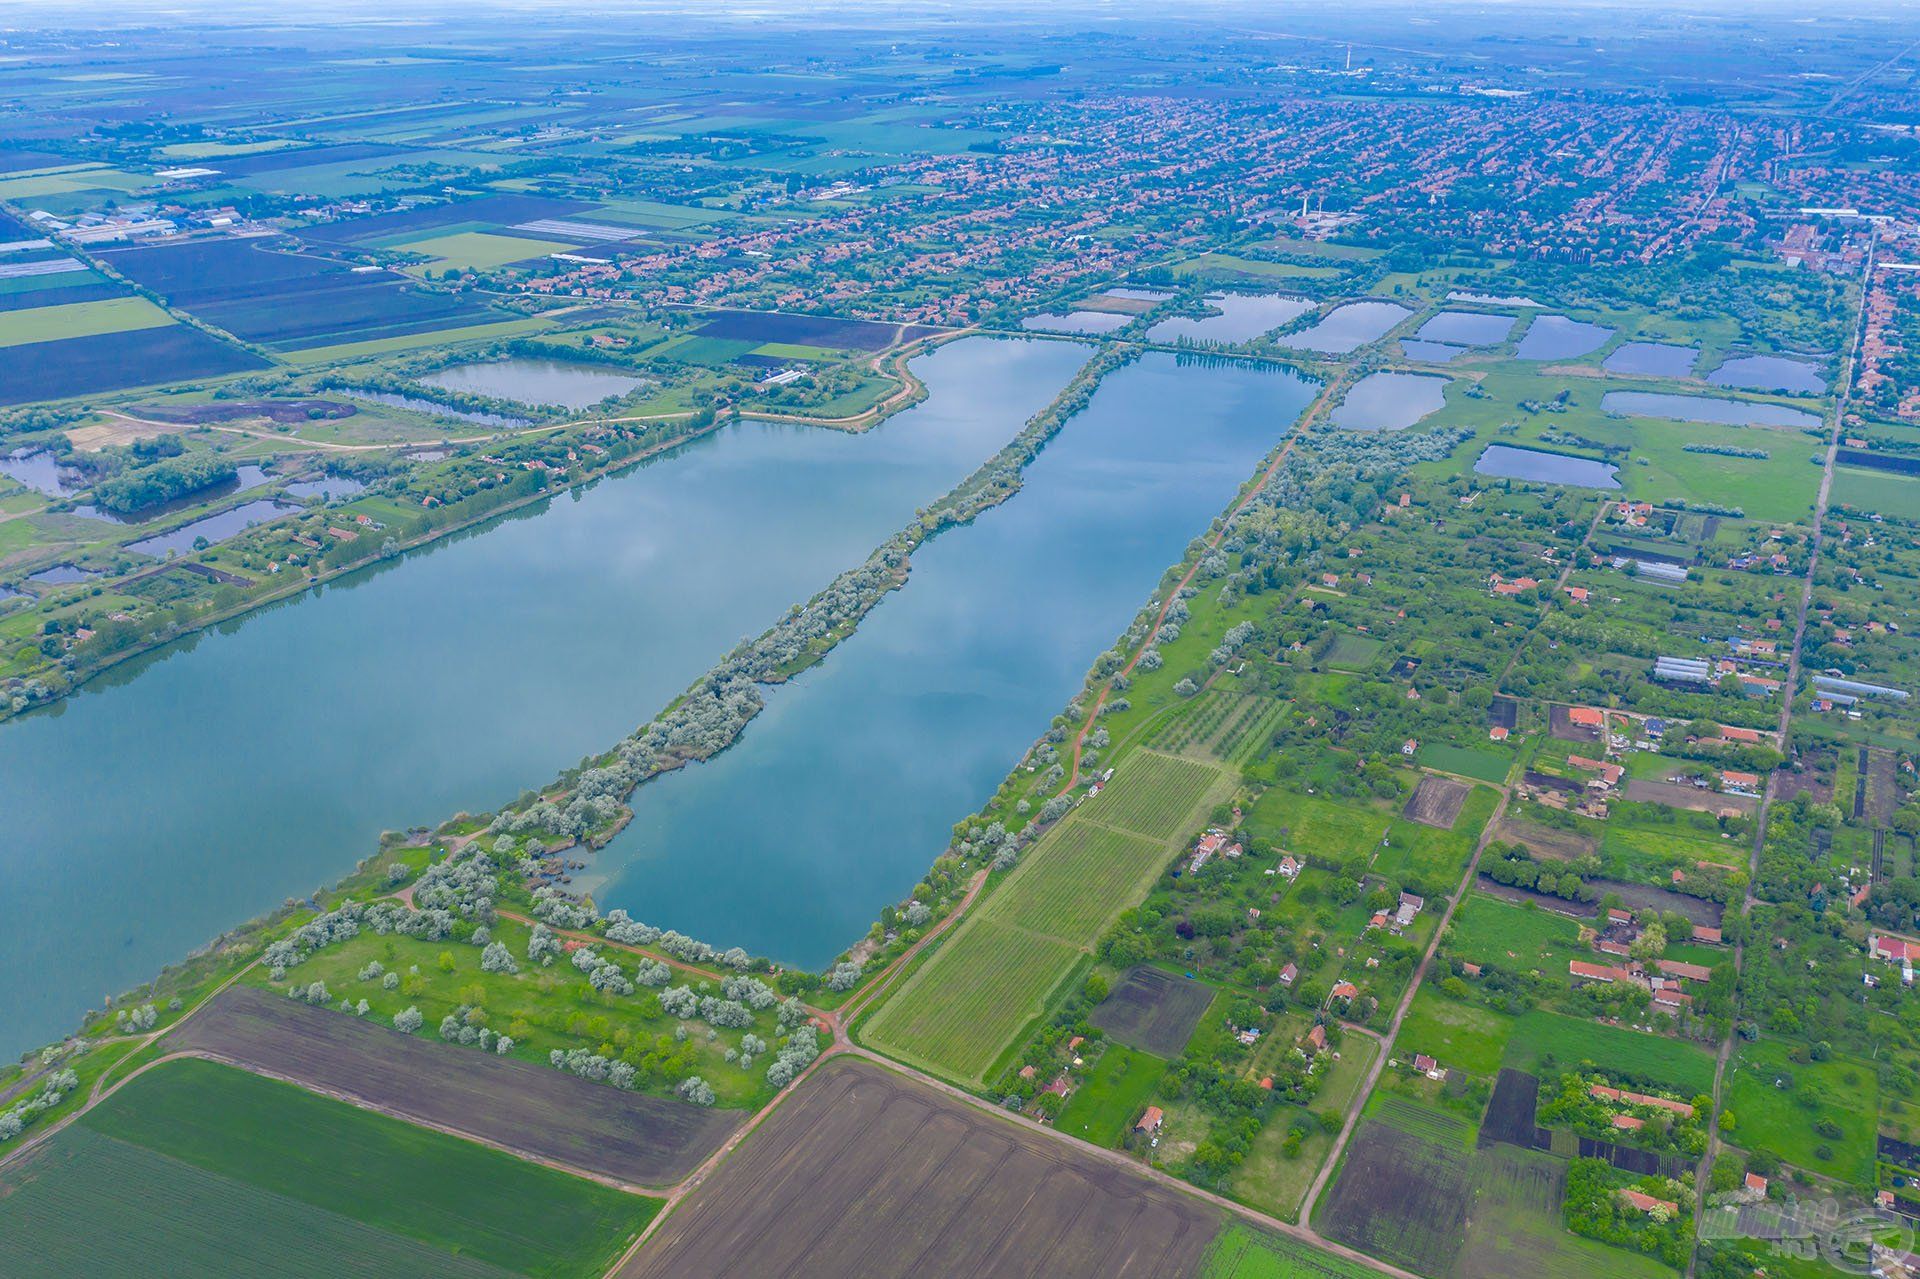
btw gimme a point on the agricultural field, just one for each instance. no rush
(1153, 1010)
(924, 1184)
(960, 1009)
(1458, 1035)
(1111, 1097)
(516, 1105)
(463, 1199)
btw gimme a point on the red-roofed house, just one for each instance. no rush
(1345, 990)
(1596, 972)
(1288, 973)
(1150, 1121)
(1647, 1203)
(1756, 1182)
(1586, 717)
(1692, 972)
(1628, 1122)
(1317, 1039)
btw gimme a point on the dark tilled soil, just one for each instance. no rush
(1153, 1010)
(532, 1109)
(864, 1172)
(1436, 802)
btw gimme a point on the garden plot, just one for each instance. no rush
(1153, 1010)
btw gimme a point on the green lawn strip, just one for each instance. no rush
(79, 320)
(1241, 1252)
(440, 1190)
(1542, 1038)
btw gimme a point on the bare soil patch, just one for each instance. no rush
(1153, 1010)
(536, 1111)
(1400, 1198)
(1546, 841)
(864, 1172)
(1561, 725)
(1674, 795)
(1436, 802)
(1510, 1113)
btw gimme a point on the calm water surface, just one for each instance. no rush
(1559, 337)
(1243, 316)
(215, 528)
(1703, 408)
(1652, 359)
(1092, 322)
(1390, 401)
(203, 784)
(419, 405)
(842, 792)
(1467, 328)
(38, 470)
(1770, 373)
(327, 486)
(1430, 352)
(1506, 462)
(531, 381)
(1346, 327)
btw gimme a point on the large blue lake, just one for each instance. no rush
(841, 793)
(203, 784)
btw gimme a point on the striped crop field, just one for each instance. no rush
(957, 1013)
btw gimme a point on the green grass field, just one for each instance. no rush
(452, 1195)
(1315, 826)
(1244, 1253)
(958, 1011)
(1768, 1116)
(85, 1206)
(1274, 1183)
(1487, 930)
(1459, 1036)
(1515, 1228)
(1881, 491)
(1567, 1041)
(1466, 761)
(79, 320)
(1111, 1096)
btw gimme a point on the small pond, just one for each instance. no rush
(1503, 461)
(1467, 328)
(1653, 359)
(1242, 317)
(1348, 327)
(63, 575)
(1430, 352)
(1390, 401)
(38, 470)
(1703, 408)
(327, 486)
(11, 592)
(419, 405)
(1082, 322)
(215, 528)
(1558, 337)
(1770, 373)
(530, 381)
